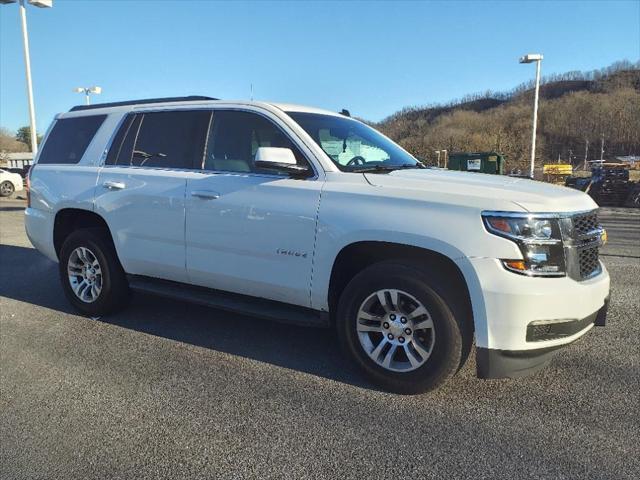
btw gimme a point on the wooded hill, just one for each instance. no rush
(577, 110)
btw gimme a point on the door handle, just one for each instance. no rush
(205, 194)
(114, 185)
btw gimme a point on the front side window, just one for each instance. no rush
(172, 139)
(69, 139)
(235, 137)
(351, 145)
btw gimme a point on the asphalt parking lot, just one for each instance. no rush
(167, 390)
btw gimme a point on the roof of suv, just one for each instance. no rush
(81, 110)
(145, 101)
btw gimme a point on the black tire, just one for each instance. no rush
(451, 320)
(6, 189)
(115, 293)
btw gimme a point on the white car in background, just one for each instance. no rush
(9, 183)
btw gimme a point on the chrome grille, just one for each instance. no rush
(585, 223)
(588, 261)
(582, 235)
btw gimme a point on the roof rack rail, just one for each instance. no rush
(190, 98)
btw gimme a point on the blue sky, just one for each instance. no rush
(370, 57)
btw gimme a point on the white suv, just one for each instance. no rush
(311, 217)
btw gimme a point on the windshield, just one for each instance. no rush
(353, 146)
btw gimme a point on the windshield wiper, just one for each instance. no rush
(386, 168)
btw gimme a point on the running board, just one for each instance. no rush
(230, 302)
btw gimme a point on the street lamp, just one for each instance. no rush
(87, 91)
(27, 64)
(530, 58)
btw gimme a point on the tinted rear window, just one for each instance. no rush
(122, 146)
(69, 139)
(171, 139)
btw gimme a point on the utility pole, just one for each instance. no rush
(27, 65)
(586, 152)
(87, 91)
(531, 58)
(602, 147)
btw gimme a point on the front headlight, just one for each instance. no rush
(539, 239)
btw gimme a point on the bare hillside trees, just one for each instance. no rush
(577, 112)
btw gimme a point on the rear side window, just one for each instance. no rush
(69, 139)
(173, 139)
(122, 145)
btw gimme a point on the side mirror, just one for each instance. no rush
(279, 160)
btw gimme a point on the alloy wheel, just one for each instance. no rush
(85, 274)
(6, 189)
(395, 330)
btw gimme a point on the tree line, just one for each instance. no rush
(16, 142)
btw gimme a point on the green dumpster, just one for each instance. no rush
(482, 162)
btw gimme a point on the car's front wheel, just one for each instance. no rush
(6, 189)
(403, 327)
(91, 275)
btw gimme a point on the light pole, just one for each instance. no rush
(87, 91)
(530, 58)
(27, 64)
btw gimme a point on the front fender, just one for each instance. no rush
(361, 213)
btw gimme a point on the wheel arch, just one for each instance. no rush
(68, 220)
(356, 256)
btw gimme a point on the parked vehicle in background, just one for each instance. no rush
(311, 217)
(633, 198)
(23, 171)
(608, 185)
(9, 183)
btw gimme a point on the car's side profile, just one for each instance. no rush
(308, 216)
(9, 183)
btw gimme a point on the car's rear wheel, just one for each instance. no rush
(91, 275)
(6, 189)
(403, 326)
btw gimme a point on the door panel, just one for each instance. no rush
(146, 218)
(249, 231)
(253, 235)
(141, 191)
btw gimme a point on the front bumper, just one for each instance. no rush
(520, 321)
(493, 363)
(505, 304)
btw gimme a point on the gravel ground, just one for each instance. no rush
(168, 390)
